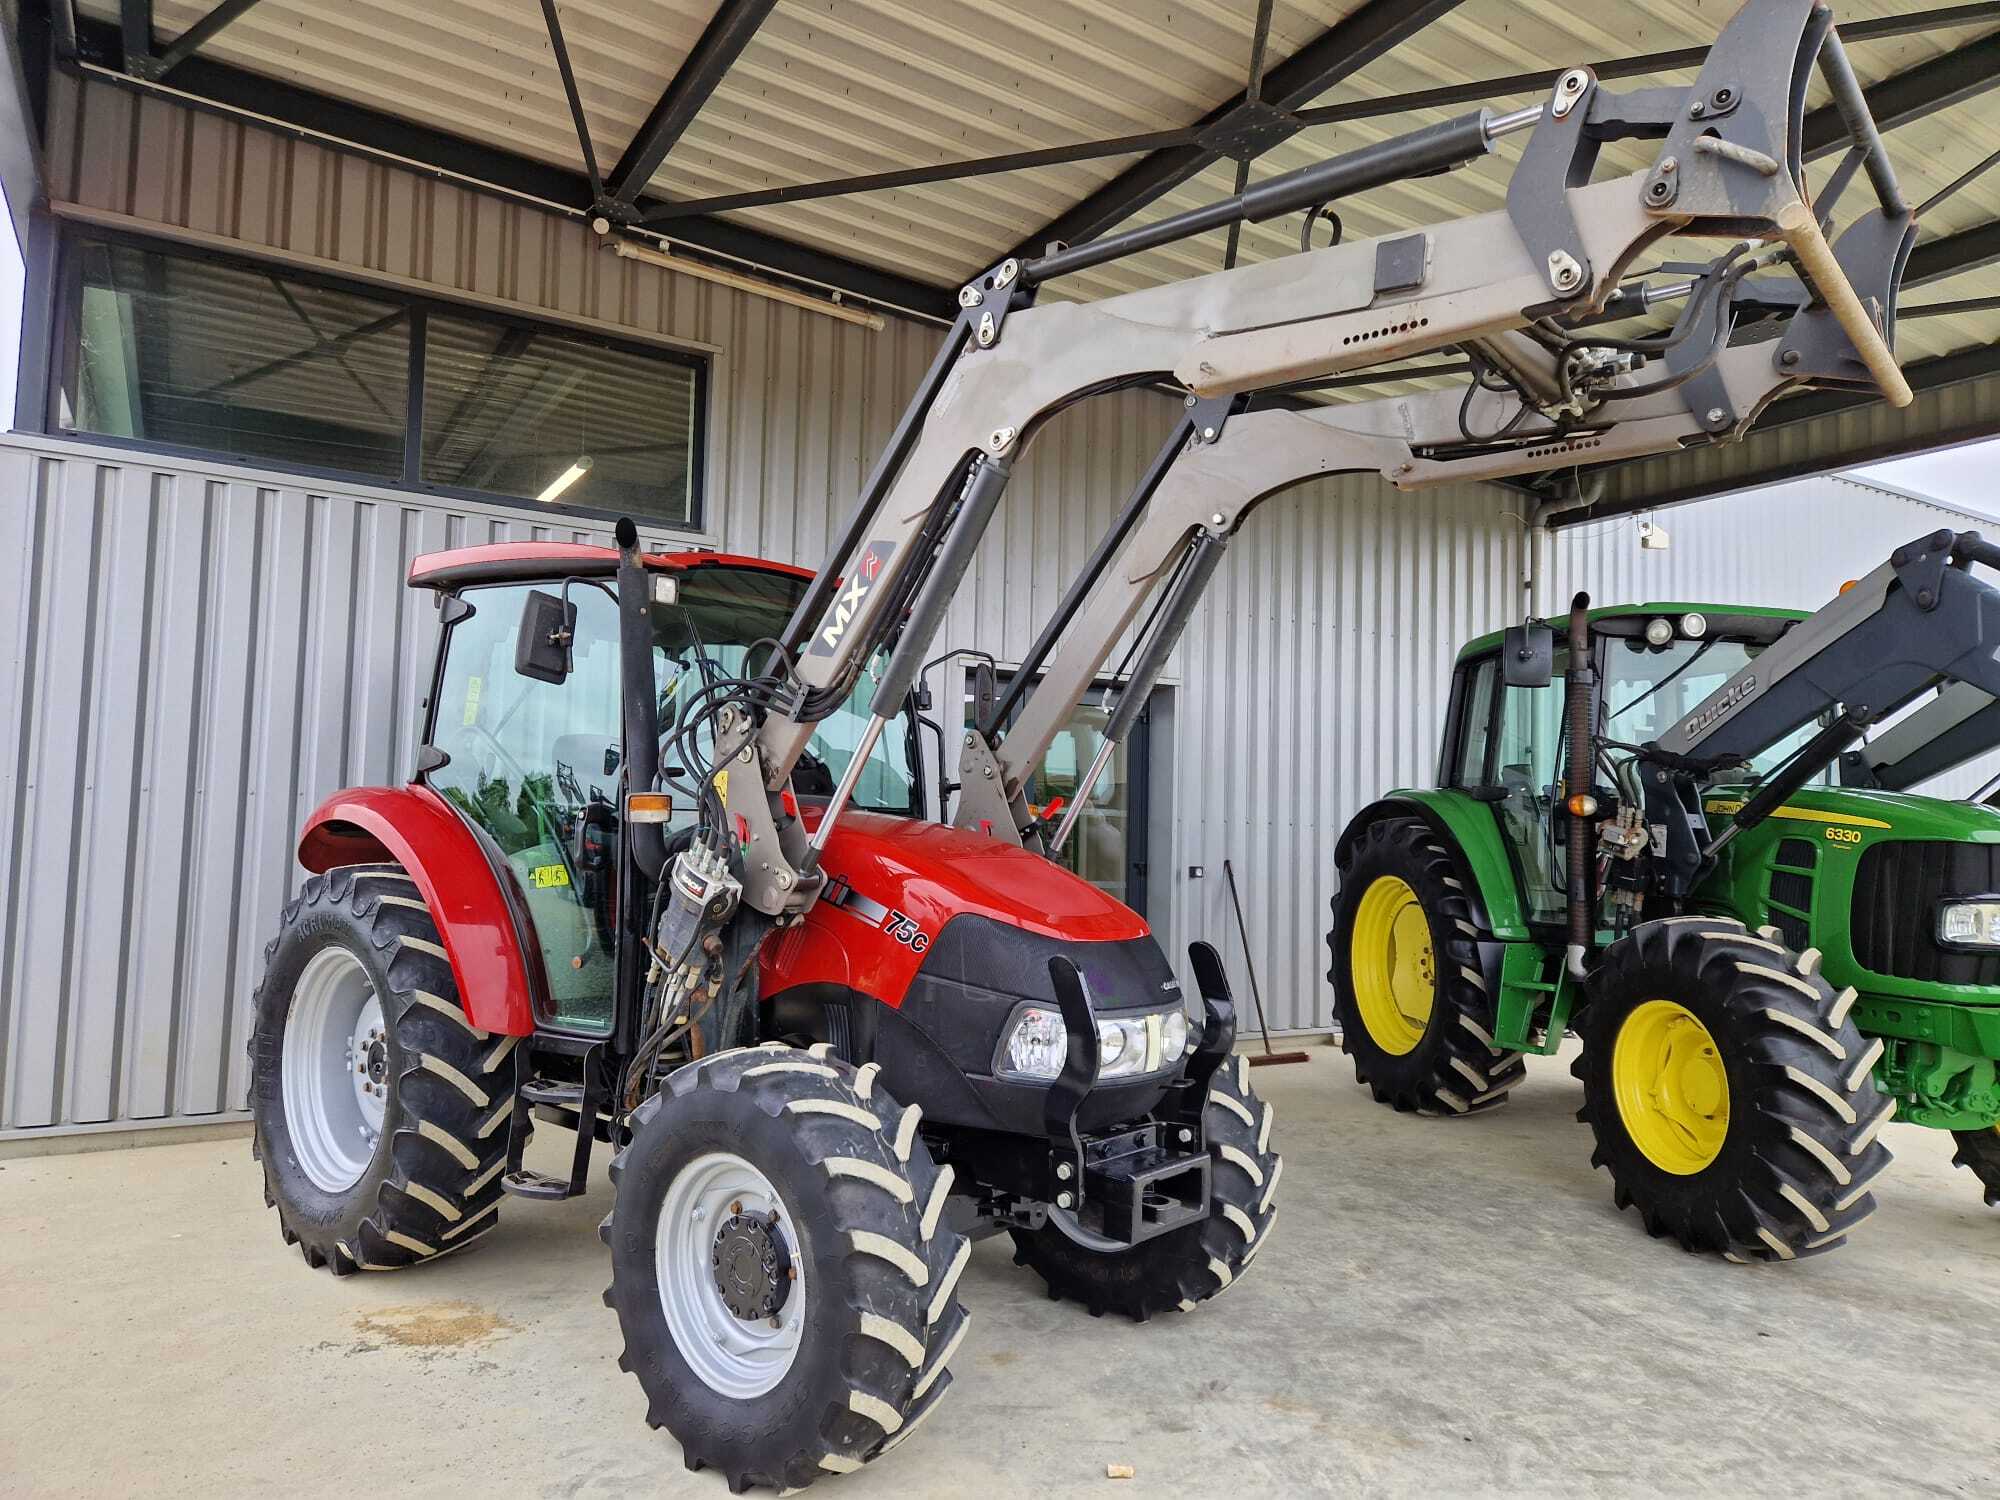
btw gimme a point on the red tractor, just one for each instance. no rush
(956, 1037)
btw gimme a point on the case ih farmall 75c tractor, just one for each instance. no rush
(662, 875)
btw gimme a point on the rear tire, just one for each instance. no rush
(1413, 1008)
(357, 990)
(1190, 1265)
(1729, 1091)
(1979, 1151)
(864, 1290)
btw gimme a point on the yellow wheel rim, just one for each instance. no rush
(1390, 962)
(1672, 1090)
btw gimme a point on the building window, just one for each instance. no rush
(213, 356)
(514, 409)
(196, 354)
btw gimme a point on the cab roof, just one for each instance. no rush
(522, 562)
(1721, 617)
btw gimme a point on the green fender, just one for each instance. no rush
(1470, 831)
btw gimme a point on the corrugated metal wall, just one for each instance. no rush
(200, 652)
(1790, 546)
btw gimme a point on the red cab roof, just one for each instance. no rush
(509, 562)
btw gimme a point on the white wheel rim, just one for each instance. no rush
(334, 1070)
(734, 1356)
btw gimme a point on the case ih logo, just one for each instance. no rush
(847, 601)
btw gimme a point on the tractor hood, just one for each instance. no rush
(894, 882)
(930, 869)
(1903, 815)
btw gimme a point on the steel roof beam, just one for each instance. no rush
(191, 41)
(729, 31)
(1158, 140)
(1960, 74)
(340, 125)
(1637, 66)
(135, 32)
(1951, 254)
(1242, 126)
(560, 48)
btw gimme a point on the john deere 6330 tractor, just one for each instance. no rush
(1767, 945)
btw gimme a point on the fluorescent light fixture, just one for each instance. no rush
(756, 286)
(564, 480)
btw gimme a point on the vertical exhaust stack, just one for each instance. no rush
(1579, 683)
(641, 697)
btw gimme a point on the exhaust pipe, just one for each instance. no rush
(642, 711)
(1579, 680)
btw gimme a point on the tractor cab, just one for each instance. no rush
(1654, 664)
(524, 734)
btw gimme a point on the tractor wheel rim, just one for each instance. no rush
(334, 1071)
(1671, 1086)
(1392, 965)
(727, 1245)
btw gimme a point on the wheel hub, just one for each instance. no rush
(1672, 1087)
(732, 1274)
(752, 1266)
(1393, 967)
(334, 1069)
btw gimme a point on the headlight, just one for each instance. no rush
(1037, 1044)
(1969, 924)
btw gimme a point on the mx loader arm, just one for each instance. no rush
(1729, 164)
(1222, 461)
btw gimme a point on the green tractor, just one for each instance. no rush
(1691, 856)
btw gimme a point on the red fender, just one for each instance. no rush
(414, 827)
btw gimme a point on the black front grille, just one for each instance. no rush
(1896, 892)
(1795, 889)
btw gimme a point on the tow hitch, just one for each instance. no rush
(1147, 1179)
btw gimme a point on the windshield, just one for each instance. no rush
(1649, 689)
(716, 617)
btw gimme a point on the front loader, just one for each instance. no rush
(661, 876)
(1763, 964)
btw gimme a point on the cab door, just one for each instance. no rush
(536, 765)
(1509, 754)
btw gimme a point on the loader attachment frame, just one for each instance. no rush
(1729, 165)
(1221, 462)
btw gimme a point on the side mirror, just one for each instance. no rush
(1527, 655)
(541, 649)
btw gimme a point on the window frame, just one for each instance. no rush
(66, 355)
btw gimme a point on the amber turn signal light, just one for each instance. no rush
(648, 807)
(1582, 805)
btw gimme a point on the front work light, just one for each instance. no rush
(1036, 1044)
(1969, 924)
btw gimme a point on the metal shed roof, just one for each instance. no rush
(1141, 107)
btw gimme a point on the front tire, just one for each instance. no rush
(1729, 1090)
(782, 1269)
(1413, 1008)
(380, 1113)
(1187, 1266)
(1979, 1151)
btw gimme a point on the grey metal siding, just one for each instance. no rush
(198, 652)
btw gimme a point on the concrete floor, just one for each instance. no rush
(1447, 1307)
